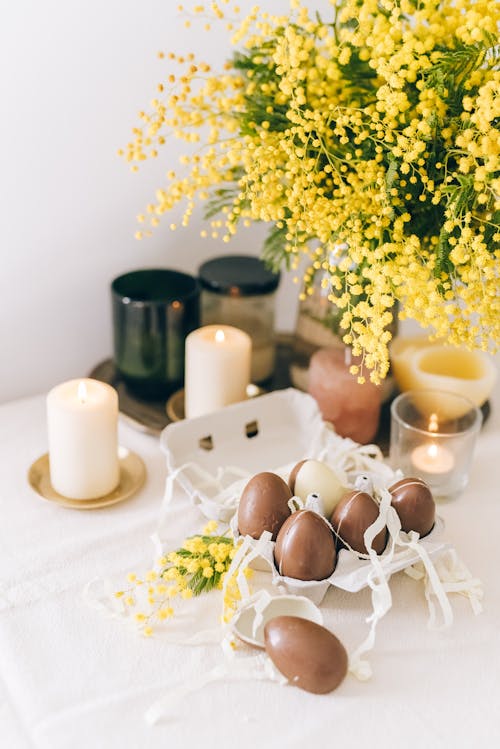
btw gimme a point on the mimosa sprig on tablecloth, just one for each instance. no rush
(198, 566)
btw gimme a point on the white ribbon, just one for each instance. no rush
(446, 575)
(167, 499)
(253, 667)
(248, 550)
(378, 581)
(106, 603)
(218, 505)
(433, 585)
(351, 457)
(259, 604)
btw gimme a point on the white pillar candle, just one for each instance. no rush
(217, 368)
(82, 420)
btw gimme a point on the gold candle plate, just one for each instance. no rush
(175, 404)
(132, 478)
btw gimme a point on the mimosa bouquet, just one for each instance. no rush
(368, 140)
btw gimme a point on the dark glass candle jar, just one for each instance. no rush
(153, 312)
(239, 290)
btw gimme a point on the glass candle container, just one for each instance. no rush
(153, 312)
(239, 290)
(433, 434)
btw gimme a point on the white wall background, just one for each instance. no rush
(73, 76)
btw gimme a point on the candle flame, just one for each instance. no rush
(433, 423)
(219, 336)
(432, 450)
(82, 392)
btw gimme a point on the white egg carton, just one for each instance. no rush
(212, 458)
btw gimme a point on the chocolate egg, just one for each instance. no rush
(305, 547)
(293, 474)
(310, 656)
(413, 501)
(263, 505)
(355, 512)
(314, 477)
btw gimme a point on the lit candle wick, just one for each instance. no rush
(432, 450)
(219, 336)
(82, 392)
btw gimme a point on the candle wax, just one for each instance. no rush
(421, 365)
(432, 458)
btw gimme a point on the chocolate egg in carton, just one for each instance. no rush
(358, 534)
(301, 497)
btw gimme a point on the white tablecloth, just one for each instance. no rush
(71, 677)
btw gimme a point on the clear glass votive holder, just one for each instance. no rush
(433, 434)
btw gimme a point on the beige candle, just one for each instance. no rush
(421, 365)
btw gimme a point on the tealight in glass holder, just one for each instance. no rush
(433, 434)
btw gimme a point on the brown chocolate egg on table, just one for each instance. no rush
(314, 477)
(413, 501)
(308, 654)
(305, 547)
(355, 512)
(263, 505)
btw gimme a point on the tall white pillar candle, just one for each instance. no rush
(217, 368)
(82, 421)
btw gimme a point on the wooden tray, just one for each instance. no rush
(152, 417)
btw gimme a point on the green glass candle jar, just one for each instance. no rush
(153, 312)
